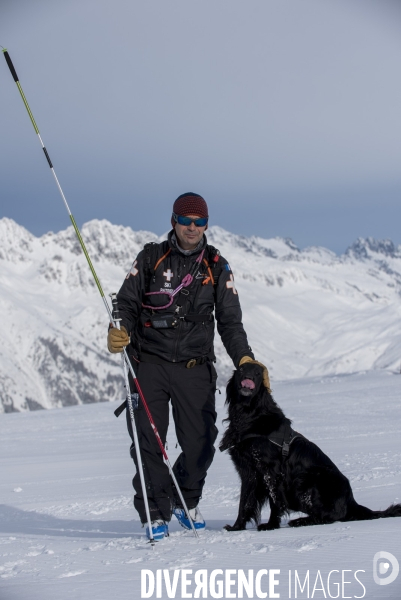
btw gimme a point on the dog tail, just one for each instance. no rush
(358, 512)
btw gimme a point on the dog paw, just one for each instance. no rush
(268, 526)
(233, 528)
(297, 522)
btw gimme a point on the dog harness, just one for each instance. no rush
(283, 437)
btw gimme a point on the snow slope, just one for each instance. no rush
(306, 312)
(68, 528)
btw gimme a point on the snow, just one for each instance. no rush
(68, 528)
(327, 326)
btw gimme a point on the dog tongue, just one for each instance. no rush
(248, 383)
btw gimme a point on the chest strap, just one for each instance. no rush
(196, 318)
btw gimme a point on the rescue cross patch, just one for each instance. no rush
(168, 275)
(231, 284)
(134, 271)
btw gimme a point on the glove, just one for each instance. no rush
(266, 380)
(117, 339)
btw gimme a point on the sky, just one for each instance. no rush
(284, 115)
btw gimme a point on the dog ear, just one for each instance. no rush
(224, 444)
(230, 389)
(268, 402)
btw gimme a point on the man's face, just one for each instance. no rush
(189, 236)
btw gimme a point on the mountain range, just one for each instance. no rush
(307, 312)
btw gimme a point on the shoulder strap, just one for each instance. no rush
(215, 262)
(152, 252)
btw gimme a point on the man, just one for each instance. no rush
(166, 305)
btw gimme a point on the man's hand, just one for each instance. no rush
(117, 339)
(266, 380)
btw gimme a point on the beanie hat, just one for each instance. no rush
(190, 204)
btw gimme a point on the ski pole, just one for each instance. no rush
(116, 319)
(78, 233)
(82, 244)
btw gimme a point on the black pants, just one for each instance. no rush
(192, 394)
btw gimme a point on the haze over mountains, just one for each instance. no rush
(307, 312)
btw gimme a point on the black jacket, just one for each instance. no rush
(187, 339)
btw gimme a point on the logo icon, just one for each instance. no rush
(381, 566)
(134, 271)
(168, 274)
(231, 284)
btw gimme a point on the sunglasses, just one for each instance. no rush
(201, 222)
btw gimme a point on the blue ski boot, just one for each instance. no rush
(159, 530)
(198, 520)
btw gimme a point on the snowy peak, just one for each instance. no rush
(15, 241)
(283, 249)
(370, 248)
(383, 256)
(106, 242)
(115, 244)
(274, 248)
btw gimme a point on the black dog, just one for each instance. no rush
(278, 464)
